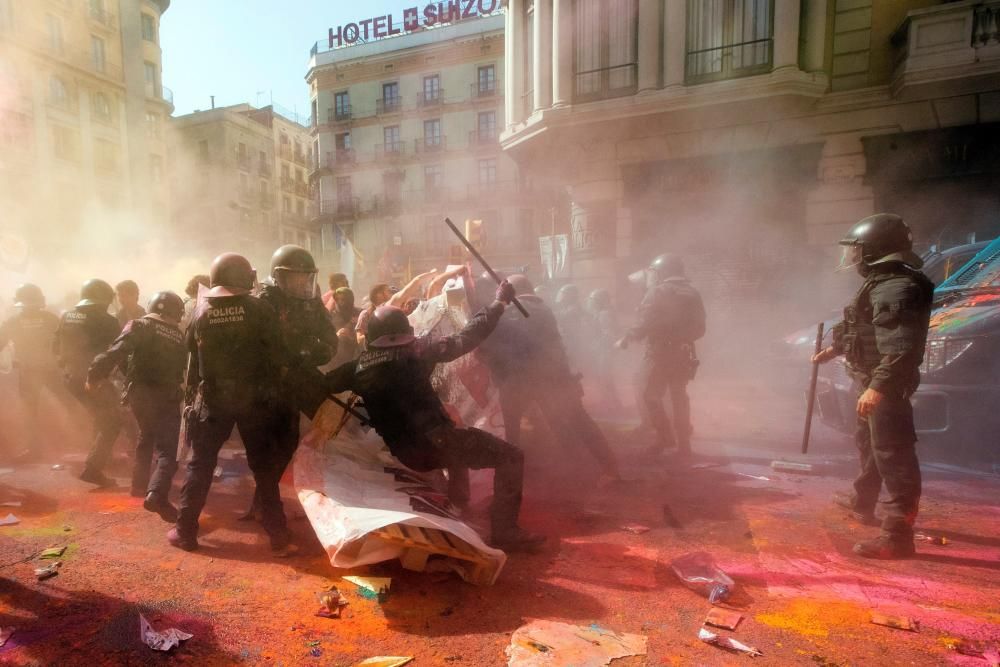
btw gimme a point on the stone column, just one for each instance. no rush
(674, 42)
(542, 65)
(786, 33)
(514, 48)
(650, 27)
(562, 52)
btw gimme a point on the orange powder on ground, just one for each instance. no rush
(815, 617)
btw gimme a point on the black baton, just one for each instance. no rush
(479, 258)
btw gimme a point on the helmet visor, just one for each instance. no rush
(296, 284)
(850, 257)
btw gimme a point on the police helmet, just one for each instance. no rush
(96, 292)
(522, 286)
(168, 305)
(877, 239)
(600, 299)
(667, 265)
(389, 327)
(568, 295)
(29, 296)
(231, 275)
(292, 258)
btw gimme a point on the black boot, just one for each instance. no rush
(886, 548)
(866, 517)
(160, 506)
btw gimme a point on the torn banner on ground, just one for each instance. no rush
(543, 643)
(351, 487)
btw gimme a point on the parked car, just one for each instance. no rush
(957, 407)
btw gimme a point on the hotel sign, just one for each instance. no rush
(414, 18)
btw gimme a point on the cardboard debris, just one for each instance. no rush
(11, 503)
(898, 622)
(727, 643)
(48, 571)
(372, 588)
(723, 618)
(931, 539)
(5, 634)
(160, 641)
(635, 528)
(385, 661)
(52, 552)
(792, 466)
(331, 603)
(9, 520)
(551, 643)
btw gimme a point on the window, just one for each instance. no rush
(432, 134)
(433, 177)
(487, 81)
(432, 90)
(264, 165)
(203, 150)
(606, 48)
(390, 135)
(286, 173)
(301, 175)
(345, 194)
(728, 38)
(390, 97)
(488, 172)
(342, 106)
(152, 124)
(102, 108)
(148, 28)
(487, 126)
(300, 208)
(97, 58)
(155, 169)
(392, 181)
(54, 26)
(58, 96)
(286, 204)
(152, 83)
(528, 98)
(242, 157)
(262, 188)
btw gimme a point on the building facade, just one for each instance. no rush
(749, 135)
(240, 182)
(83, 113)
(406, 133)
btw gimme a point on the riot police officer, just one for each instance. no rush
(883, 336)
(235, 360)
(151, 349)
(575, 326)
(603, 341)
(671, 318)
(392, 376)
(309, 338)
(32, 330)
(83, 333)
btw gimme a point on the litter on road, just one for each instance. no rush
(723, 618)
(9, 520)
(727, 643)
(552, 643)
(372, 588)
(161, 641)
(385, 661)
(898, 622)
(53, 552)
(49, 571)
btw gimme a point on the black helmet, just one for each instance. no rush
(522, 286)
(389, 327)
(231, 275)
(29, 296)
(877, 239)
(168, 305)
(600, 299)
(293, 270)
(568, 295)
(96, 292)
(667, 265)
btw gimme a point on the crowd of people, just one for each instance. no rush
(259, 357)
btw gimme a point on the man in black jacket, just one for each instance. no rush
(151, 350)
(83, 333)
(883, 336)
(392, 376)
(236, 355)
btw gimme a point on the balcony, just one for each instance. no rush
(243, 161)
(388, 105)
(298, 157)
(485, 90)
(100, 16)
(288, 184)
(484, 138)
(264, 169)
(285, 151)
(301, 189)
(339, 115)
(343, 157)
(341, 208)
(429, 145)
(948, 42)
(430, 98)
(393, 150)
(387, 205)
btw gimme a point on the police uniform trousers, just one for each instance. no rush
(886, 442)
(562, 409)
(157, 411)
(659, 374)
(31, 380)
(217, 412)
(102, 403)
(450, 447)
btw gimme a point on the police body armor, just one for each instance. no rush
(84, 332)
(678, 321)
(159, 358)
(303, 325)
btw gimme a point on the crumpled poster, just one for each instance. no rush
(547, 643)
(160, 641)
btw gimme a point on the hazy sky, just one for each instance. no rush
(251, 50)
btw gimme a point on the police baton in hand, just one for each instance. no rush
(812, 390)
(479, 258)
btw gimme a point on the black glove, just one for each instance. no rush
(505, 293)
